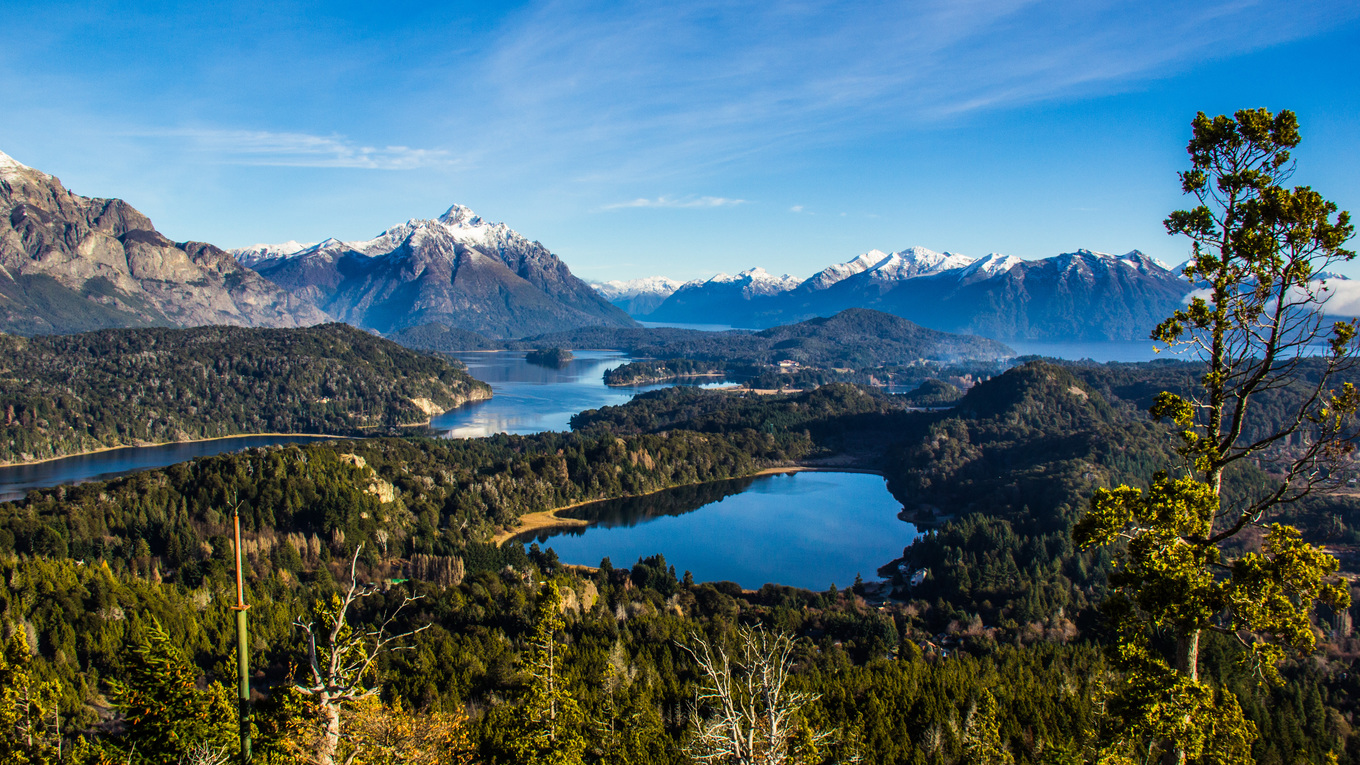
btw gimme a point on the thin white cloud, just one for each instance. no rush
(1342, 298)
(1338, 297)
(261, 147)
(634, 89)
(664, 201)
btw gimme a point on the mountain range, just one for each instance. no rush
(70, 263)
(637, 296)
(1082, 295)
(458, 270)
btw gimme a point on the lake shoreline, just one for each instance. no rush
(150, 444)
(549, 519)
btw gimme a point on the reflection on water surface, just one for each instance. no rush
(528, 398)
(810, 529)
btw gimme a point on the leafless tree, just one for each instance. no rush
(205, 754)
(341, 666)
(746, 713)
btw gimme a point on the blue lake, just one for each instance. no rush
(809, 529)
(16, 480)
(528, 398)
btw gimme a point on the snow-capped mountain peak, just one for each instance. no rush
(458, 215)
(458, 222)
(989, 265)
(916, 261)
(11, 168)
(762, 282)
(841, 271)
(753, 281)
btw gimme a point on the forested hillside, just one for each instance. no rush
(852, 338)
(995, 655)
(67, 394)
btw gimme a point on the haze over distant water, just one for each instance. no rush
(683, 325)
(1102, 352)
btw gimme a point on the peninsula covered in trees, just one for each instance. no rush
(64, 394)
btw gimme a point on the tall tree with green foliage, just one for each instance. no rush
(27, 705)
(550, 719)
(1189, 558)
(982, 740)
(167, 718)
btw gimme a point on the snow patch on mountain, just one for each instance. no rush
(11, 168)
(258, 253)
(761, 282)
(842, 271)
(989, 265)
(458, 223)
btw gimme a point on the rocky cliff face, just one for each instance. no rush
(458, 270)
(70, 263)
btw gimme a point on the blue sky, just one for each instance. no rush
(671, 138)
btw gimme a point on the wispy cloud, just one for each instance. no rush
(260, 147)
(664, 201)
(640, 88)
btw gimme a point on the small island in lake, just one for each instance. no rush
(549, 357)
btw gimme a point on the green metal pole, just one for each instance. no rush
(243, 661)
(242, 650)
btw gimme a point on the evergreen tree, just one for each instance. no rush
(550, 720)
(1259, 249)
(982, 741)
(166, 717)
(26, 704)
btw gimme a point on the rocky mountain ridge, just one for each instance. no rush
(70, 263)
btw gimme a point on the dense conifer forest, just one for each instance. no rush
(122, 591)
(64, 394)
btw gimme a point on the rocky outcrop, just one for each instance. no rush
(70, 263)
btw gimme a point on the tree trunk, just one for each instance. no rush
(1187, 654)
(329, 742)
(1187, 664)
